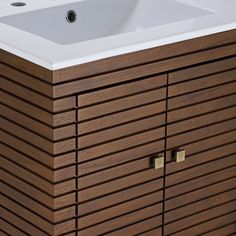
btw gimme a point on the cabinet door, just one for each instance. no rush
(201, 191)
(120, 129)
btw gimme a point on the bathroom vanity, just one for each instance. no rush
(126, 142)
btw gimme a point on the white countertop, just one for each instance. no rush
(54, 56)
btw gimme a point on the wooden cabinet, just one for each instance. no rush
(201, 120)
(78, 145)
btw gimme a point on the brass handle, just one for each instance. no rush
(158, 162)
(180, 155)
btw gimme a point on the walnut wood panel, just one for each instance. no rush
(200, 165)
(77, 143)
(120, 145)
(123, 90)
(205, 144)
(204, 211)
(200, 71)
(201, 118)
(128, 194)
(101, 164)
(229, 229)
(122, 117)
(20, 223)
(124, 221)
(121, 209)
(226, 172)
(10, 229)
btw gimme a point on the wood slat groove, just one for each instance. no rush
(22, 224)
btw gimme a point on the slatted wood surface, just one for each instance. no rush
(77, 144)
(200, 194)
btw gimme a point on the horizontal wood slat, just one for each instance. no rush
(121, 196)
(229, 229)
(213, 224)
(121, 117)
(206, 144)
(202, 70)
(204, 210)
(148, 149)
(123, 90)
(125, 220)
(200, 109)
(120, 209)
(77, 144)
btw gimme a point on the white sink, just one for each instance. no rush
(39, 31)
(101, 18)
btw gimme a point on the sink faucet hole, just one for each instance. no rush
(18, 4)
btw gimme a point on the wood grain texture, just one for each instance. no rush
(77, 144)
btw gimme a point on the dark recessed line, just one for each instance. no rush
(148, 231)
(123, 137)
(63, 153)
(116, 165)
(127, 213)
(120, 124)
(6, 221)
(122, 97)
(76, 169)
(37, 175)
(205, 76)
(213, 148)
(202, 222)
(129, 225)
(26, 169)
(118, 151)
(25, 181)
(26, 142)
(204, 163)
(165, 155)
(64, 194)
(202, 114)
(27, 129)
(27, 221)
(206, 138)
(24, 114)
(202, 127)
(30, 158)
(120, 203)
(121, 83)
(202, 187)
(123, 110)
(155, 61)
(28, 196)
(4, 233)
(120, 190)
(37, 214)
(201, 199)
(223, 226)
(214, 218)
(27, 208)
(113, 179)
(201, 211)
(203, 90)
(26, 73)
(208, 62)
(25, 87)
(201, 102)
(35, 133)
(200, 176)
(28, 102)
